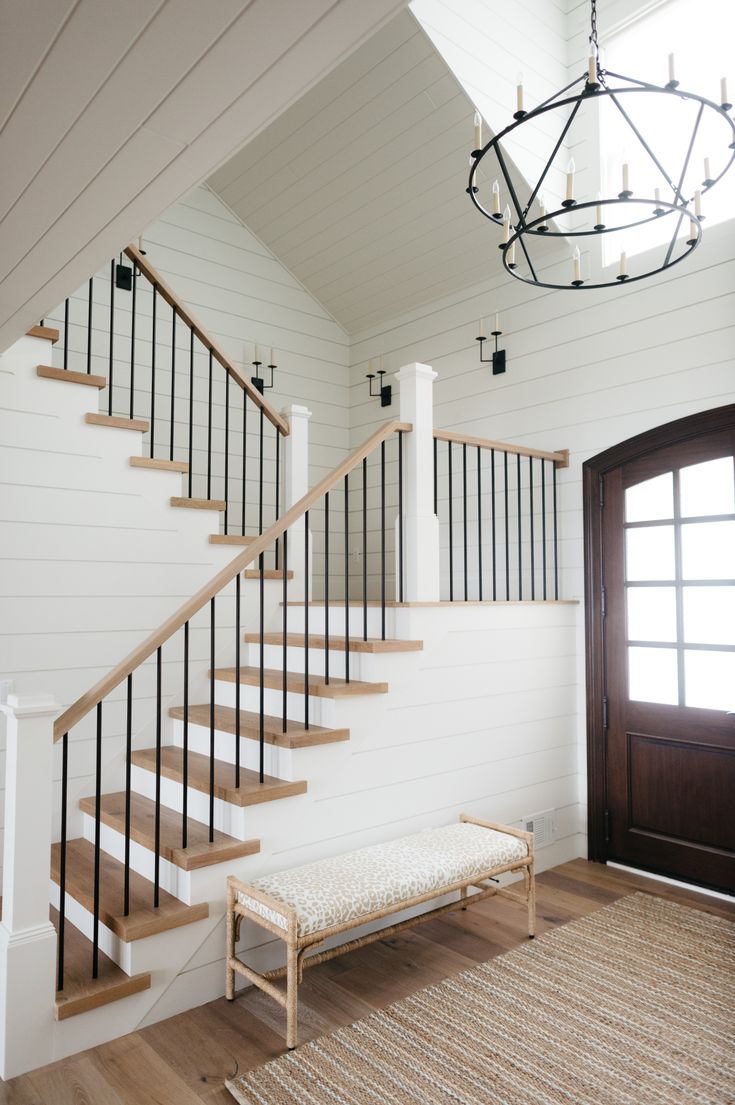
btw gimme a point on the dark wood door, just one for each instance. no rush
(665, 652)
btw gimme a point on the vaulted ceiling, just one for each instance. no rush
(359, 188)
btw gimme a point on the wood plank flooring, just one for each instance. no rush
(184, 1060)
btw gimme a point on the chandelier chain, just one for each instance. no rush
(593, 26)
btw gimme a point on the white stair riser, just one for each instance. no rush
(228, 818)
(278, 761)
(171, 878)
(317, 621)
(362, 665)
(322, 711)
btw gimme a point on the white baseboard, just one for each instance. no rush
(672, 882)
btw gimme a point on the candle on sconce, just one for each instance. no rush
(478, 131)
(570, 179)
(496, 323)
(698, 204)
(255, 347)
(506, 224)
(577, 265)
(496, 198)
(672, 75)
(519, 92)
(481, 328)
(272, 360)
(140, 244)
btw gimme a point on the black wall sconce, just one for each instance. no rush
(385, 391)
(497, 359)
(257, 380)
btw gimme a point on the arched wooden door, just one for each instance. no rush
(660, 592)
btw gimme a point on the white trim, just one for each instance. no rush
(672, 882)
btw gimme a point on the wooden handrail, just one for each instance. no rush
(192, 606)
(206, 339)
(560, 457)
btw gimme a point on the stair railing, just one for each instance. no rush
(353, 498)
(167, 376)
(503, 500)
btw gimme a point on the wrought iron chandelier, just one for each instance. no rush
(528, 228)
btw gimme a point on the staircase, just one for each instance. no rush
(264, 720)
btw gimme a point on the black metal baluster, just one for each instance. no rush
(62, 859)
(260, 477)
(364, 551)
(382, 540)
(556, 540)
(347, 582)
(306, 620)
(326, 588)
(436, 476)
(185, 756)
(212, 668)
(238, 637)
(278, 484)
(209, 430)
(97, 830)
(479, 524)
(89, 328)
(191, 410)
(492, 524)
(172, 440)
(543, 523)
(157, 833)
(128, 802)
(451, 523)
(153, 367)
(464, 516)
(262, 668)
(400, 516)
(520, 546)
(66, 335)
(284, 721)
(244, 453)
(507, 547)
(227, 447)
(132, 340)
(111, 366)
(530, 509)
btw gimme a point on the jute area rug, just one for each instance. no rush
(632, 1005)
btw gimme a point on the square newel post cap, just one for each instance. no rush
(30, 705)
(295, 410)
(416, 371)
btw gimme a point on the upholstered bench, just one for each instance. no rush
(304, 906)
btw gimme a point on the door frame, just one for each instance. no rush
(594, 471)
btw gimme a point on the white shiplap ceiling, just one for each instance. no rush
(359, 188)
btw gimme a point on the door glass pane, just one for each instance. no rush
(708, 550)
(710, 679)
(650, 500)
(708, 488)
(652, 675)
(651, 614)
(649, 553)
(709, 615)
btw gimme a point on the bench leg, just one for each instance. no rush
(229, 972)
(530, 879)
(292, 997)
(463, 897)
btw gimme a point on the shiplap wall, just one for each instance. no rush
(94, 608)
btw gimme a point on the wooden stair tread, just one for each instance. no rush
(198, 504)
(117, 422)
(82, 992)
(296, 682)
(250, 792)
(47, 372)
(337, 642)
(50, 333)
(199, 852)
(296, 735)
(229, 539)
(267, 573)
(143, 920)
(159, 465)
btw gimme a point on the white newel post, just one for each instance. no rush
(295, 486)
(27, 937)
(420, 524)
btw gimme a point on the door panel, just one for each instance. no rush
(661, 654)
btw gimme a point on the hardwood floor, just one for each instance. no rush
(184, 1060)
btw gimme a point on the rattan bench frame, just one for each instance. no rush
(297, 946)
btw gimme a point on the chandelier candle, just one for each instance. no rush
(672, 74)
(599, 225)
(542, 212)
(698, 204)
(496, 198)
(506, 225)
(592, 69)
(478, 131)
(577, 266)
(519, 113)
(512, 256)
(570, 181)
(723, 94)
(623, 270)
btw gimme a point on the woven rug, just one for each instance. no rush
(632, 1005)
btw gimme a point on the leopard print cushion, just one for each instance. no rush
(344, 888)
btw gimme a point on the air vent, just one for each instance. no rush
(541, 825)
